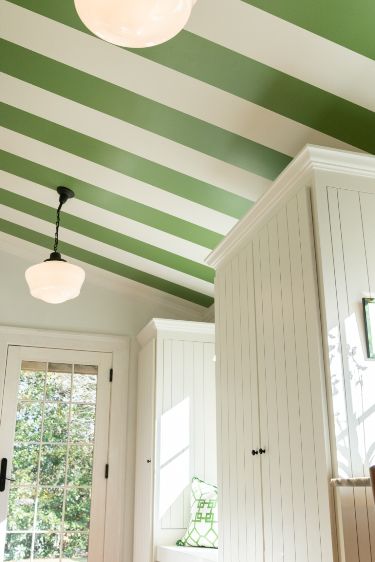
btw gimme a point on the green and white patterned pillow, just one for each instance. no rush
(203, 526)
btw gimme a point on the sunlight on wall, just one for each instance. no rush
(353, 391)
(174, 454)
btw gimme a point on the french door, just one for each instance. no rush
(53, 455)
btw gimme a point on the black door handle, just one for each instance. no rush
(148, 461)
(3, 474)
(262, 451)
(253, 452)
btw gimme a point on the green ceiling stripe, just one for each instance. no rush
(107, 236)
(140, 111)
(230, 71)
(347, 22)
(107, 264)
(122, 161)
(112, 202)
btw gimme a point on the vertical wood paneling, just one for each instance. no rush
(299, 520)
(166, 522)
(323, 468)
(253, 416)
(177, 508)
(262, 398)
(351, 282)
(219, 346)
(268, 439)
(252, 516)
(225, 489)
(198, 412)
(343, 427)
(209, 413)
(271, 395)
(145, 438)
(188, 368)
(284, 460)
(239, 413)
(304, 387)
(231, 390)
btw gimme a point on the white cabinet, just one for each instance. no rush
(176, 428)
(285, 297)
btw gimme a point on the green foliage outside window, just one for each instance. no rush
(49, 502)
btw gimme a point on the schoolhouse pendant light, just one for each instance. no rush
(54, 280)
(134, 23)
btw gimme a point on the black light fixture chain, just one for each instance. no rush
(57, 226)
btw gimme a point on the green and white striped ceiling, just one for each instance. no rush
(167, 147)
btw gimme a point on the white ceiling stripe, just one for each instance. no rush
(160, 83)
(104, 218)
(129, 137)
(279, 44)
(114, 182)
(107, 251)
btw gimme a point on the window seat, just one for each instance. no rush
(185, 554)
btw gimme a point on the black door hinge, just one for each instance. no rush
(110, 375)
(106, 471)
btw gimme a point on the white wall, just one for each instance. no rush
(106, 305)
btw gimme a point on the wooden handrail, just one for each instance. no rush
(372, 478)
(351, 482)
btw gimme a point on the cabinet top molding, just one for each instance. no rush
(178, 329)
(310, 160)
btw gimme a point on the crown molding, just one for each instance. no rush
(160, 327)
(301, 169)
(33, 253)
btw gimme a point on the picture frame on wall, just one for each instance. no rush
(369, 315)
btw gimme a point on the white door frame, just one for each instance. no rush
(119, 346)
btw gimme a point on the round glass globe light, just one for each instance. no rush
(55, 281)
(134, 23)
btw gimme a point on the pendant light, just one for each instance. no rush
(134, 23)
(54, 280)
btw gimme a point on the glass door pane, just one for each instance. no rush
(49, 502)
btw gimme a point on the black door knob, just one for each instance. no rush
(262, 451)
(253, 452)
(148, 461)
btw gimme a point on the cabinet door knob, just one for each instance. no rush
(253, 452)
(262, 451)
(148, 461)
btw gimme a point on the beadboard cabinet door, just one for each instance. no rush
(275, 498)
(144, 465)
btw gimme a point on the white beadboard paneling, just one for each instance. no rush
(231, 390)
(166, 522)
(239, 412)
(209, 413)
(198, 409)
(188, 364)
(318, 395)
(350, 307)
(220, 394)
(145, 451)
(299, 521)
(284, 460)
(179, 414)
(304, 386)
(252, 418)
(261, 273)
(177, 508)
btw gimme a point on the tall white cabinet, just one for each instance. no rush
(176, 428)
(289, 282)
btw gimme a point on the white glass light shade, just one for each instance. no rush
(134, 23)
(55, 281)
